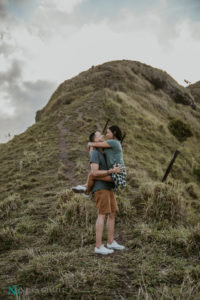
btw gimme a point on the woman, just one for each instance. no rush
(114, 158)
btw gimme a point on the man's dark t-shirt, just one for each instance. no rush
(98, 158)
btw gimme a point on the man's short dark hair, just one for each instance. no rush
(92, 136)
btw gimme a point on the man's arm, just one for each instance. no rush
(96, 172)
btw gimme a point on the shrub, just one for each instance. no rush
(196, 172)
(165, 204)
(180, 129)
(73, 216)
(9, 204)
(127, 210)
(191, 188)
(193, 241)
(8, 239)
(72, 208)
(158, 83)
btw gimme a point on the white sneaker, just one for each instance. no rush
(115, 246)
(103, 250)
(79, 189)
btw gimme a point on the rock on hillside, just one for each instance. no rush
(124, 76)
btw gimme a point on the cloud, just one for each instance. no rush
(12, 75)
(6, 49)
(183, 9)
(20, 100)
(4, 15)
(47, 18)
(24, 101)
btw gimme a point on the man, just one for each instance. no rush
(104, 197)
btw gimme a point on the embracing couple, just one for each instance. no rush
(107, 174)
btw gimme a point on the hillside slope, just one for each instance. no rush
(47, 233)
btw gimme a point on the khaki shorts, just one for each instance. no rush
(105, 201)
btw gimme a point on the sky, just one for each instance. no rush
(44, 42)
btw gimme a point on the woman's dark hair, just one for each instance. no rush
(116, 132)
(92, 136)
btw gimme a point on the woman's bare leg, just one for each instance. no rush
(105, 178)
(91, 178)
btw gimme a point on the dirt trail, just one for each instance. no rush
(63, 155)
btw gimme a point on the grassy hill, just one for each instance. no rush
(47, 233)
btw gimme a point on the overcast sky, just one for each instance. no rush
(44, 42)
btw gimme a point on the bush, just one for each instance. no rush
(193, 241)
(8, 239)
(196, 172)
(9, 204)
(158, 83)
(192, 190)
(72, 216)
(72, 208)
(180, 130)
(165, 204)
(127, 210)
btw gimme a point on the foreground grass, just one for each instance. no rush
(158, 262)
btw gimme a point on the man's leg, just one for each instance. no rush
(99, 229)
(110, 226)
(112, 244)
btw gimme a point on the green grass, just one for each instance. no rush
(47, 234)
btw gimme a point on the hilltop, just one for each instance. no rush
(47, 232)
